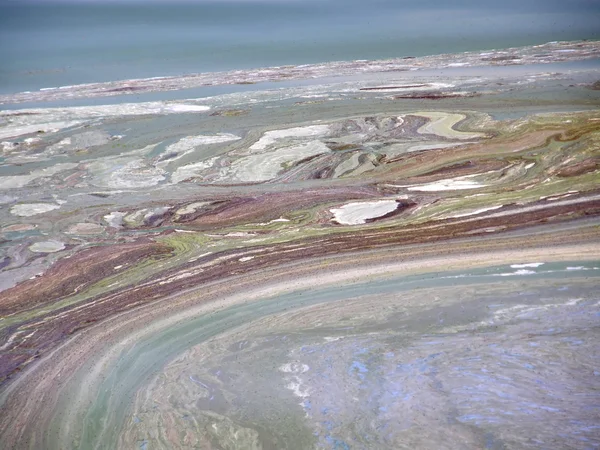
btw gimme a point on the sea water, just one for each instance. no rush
(46, 44)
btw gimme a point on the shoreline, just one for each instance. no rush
(548, 53)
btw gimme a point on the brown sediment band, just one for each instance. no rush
(271, 206)
(69, 275)
(53, 328)
(580, 168)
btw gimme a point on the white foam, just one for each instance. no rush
(298, 390)
(187, 108)
(294, 367)
(518, 272)
(523, 266)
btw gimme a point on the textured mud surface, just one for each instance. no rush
(397, 260)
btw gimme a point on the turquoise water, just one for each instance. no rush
(140, 363)
(44, 44)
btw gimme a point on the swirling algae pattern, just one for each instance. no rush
(333, 268)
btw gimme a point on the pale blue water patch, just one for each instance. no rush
(144, 359)
(45, 44)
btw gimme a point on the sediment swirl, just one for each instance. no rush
(397, 262)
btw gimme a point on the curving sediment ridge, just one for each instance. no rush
(111, 388)
(333, 266)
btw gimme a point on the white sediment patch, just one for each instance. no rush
(192, 170)
(266, 166)
(13, 131)
(475, 211)
(270, 137)
(96, 111)
(47, 120)
(192, 207)
(451, 184)
(85, 228)
(145, 216)
(123, 173)
(359, 212)
(183, 108)
(47, 247)
(32, 209)
(59, 145)
(19, 181)
(193, 141)
(135, 174)
(80, 141)
(188, 144)
(567, 201)
(281, 219)
(115, 219)
(411, 87)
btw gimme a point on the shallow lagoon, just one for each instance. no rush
(445, 359)
(167, 284)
